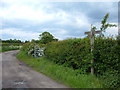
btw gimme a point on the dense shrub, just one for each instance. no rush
(76, 53)
(30, 49)
(72, 53)
(106, 55)
(110, 79)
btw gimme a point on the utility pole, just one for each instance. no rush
(91, 35)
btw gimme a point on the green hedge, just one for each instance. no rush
(106, 55)
(14, 44)
(76, 53)
(72, 53)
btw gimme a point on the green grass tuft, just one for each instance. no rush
(62, 74)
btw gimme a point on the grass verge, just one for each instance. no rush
(62, 74)
(4, 50)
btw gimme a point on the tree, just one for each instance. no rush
(11, 41)
(26, 41)
(105, 25)
(33, 40)
(46, 37)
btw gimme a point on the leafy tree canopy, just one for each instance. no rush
(46, 37)
(11, 41)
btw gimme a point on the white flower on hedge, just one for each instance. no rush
(35, 50)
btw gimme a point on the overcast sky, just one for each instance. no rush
(26, 19)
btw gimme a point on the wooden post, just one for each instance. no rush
(91, 35)
(92, 47)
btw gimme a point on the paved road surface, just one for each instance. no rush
(15, 74)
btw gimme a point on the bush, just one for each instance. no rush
(106, 55)
(111, 79)
(29, 48)
(73, 53)
(76, 53)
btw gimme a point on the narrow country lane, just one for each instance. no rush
(15, 74)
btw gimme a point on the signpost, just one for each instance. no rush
(91, 35)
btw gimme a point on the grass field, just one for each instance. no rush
(7, 48)
(62, 74)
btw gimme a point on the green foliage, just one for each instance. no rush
(110, 79)
(25, 47)
(73, 53)
(46, 37)
(26, 41)
(9, 46)
(104, 23)
(76, 53)
(106, 55)
(4, 48)
(11, 41)
(35, 41)
(29, 48)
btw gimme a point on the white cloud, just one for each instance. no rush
(79, 20)
(25, 12)
(19, 34)
(112, 31)
(38, 13)
(25, 35)
(35, 12)
(61, 0)
(82, 20)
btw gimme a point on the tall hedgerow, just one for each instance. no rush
(76, 53)
(73, 53)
